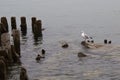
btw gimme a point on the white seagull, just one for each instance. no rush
(85, 36)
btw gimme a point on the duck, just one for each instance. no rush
(105, 41)
(38, 57)
(109, 42)
(92, 41)
(43, 53)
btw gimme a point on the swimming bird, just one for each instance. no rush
(105, 41)
(85, 36)
(43, 53)
(110, 42)
(38, 57)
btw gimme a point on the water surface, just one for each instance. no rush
(63, 20)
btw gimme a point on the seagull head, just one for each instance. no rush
(82, 31)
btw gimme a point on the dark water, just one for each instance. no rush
(63, 20)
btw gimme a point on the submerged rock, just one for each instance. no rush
(91, 45)
(81, 54)
(65, 45)
(85, 44)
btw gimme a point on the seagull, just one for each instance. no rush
(85, 36)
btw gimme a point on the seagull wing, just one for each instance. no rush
(86, 36)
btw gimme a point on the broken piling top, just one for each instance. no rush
(38, 28)
(39, 24)
(5, 23)
(23, 25)
(13, 23)
(23, 20)
(2, 28)
(33, 20)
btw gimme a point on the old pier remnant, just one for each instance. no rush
(15, 55)
(33, 19)
(16, 40)
(23, 74)
(23, 25)
(37, 29)
(5, 23)
(3, 75)
(5, 42)
(13, 23)
(2, 28)
(10, 52)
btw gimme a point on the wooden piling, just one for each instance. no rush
(15, 56)
(23, 25)
(2, 28)
(38, 29)
(16, 39)
(5, 23)
(3, 70)
(3, 53)
(0, 38)
(5, 42)
(33, 19)
(23, 74)
(3, 58)
(13, 23)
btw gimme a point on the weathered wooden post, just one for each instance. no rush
(3, 53)
(33, 19)
(5, 61)
(5, 23)
(23, 25)
(3, 70)
(2, 28)
(23, 74)
(13, 23)
(38, 29)
(16, 39)
(0, 38)
(15, 56)
(5, 42)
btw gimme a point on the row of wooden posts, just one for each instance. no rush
(10, 53)
(36, 25)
